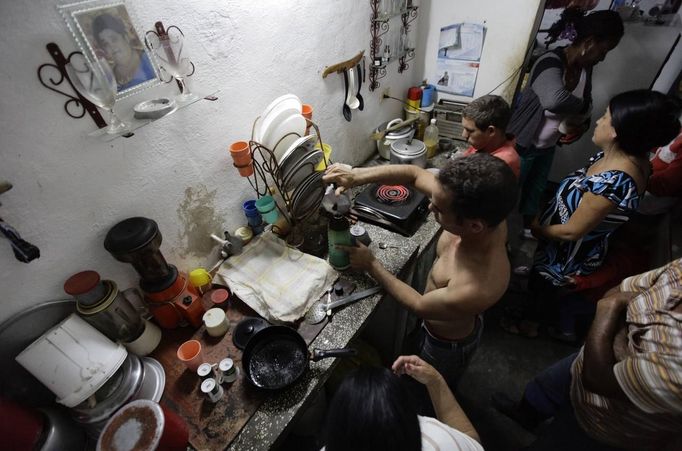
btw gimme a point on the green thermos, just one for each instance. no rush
(339, 233)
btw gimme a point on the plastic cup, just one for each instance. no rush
(191, 355)
(252, 214)
(307, 112)
(241, 155)
(266, 207)
(327, 151)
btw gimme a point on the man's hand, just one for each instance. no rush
(360, 256)
(340, 174)
(416, 368)
(536, 228)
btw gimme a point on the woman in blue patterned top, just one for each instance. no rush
(594, 201)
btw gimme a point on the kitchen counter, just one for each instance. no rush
(279, 411)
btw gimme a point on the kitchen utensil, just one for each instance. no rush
(216, 322)
(121, 388)
(320, 310)
(346, 109)
(386, 246)
(73, 359)
(267, 208)
(282, 102)
(284, 132)
(351, 99)
(361, 101)
(327, 151)
(100, 303)
(302, 169)
(408, 151)
(153, 381)
(391, 131)
(277, 356)
(16, 333)
(245, 329)
(61, 432)
(190, 354)
(145, 426)
(335, 204)
(147, 342)
(358, 234)
(307, 196)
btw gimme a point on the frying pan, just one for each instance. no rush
(277, 356)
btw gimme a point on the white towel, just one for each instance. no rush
(280, 283)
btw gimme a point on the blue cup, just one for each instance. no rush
(428, 95)
(252, 214)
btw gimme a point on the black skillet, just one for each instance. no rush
(277, 356)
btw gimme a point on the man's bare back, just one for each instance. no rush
(483, 268)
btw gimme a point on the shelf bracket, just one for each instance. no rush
(345, 65)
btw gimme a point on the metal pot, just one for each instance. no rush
(408, 151)
(384, 145)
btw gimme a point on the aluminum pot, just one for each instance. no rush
(384, 145)
(408, 151)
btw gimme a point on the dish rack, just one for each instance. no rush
(269, 179)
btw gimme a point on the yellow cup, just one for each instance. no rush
(327, 151)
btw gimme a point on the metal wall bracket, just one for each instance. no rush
(55, 75)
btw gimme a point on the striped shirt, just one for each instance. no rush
(650, 373)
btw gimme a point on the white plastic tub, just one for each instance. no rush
(73, 360)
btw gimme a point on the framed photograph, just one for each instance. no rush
(105, 28)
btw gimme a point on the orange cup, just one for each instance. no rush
(241, 155)
(191, 355)
(307, 112)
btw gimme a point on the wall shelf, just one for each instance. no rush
(380, 28)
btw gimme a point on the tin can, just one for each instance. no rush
(358, 234)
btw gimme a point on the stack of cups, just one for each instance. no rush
(307, 112)
(267, 208)
(253, 216)
(241, 155)
(414, 96)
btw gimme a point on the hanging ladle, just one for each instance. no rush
(361, 101)
(346, 109)
(351, 100)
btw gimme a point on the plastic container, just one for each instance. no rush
(241, 155)
(145, 426)
(200, 279)
(431, 139)
(267, 208)
(428, 95)
(216, 322)
(339, 233)
(191, 355)
(73, 360)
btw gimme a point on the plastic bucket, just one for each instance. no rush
(73, 360)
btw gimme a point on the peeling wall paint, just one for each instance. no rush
(70, 189)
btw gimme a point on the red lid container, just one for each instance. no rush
(414, 93)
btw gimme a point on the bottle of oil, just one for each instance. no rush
(431, 139)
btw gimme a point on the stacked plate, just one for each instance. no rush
(281, 124)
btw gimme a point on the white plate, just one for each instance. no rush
(276, 117)
(293, 124)
(295, 152)
(287, 101)
(308, 196)
(301, 169)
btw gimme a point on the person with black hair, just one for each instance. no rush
(372, 411)
(591, 203)
(130, 63)
(556, 101)
(470, 198)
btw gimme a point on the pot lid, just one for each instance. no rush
(408, 148)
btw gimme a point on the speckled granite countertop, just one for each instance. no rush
(278, 412)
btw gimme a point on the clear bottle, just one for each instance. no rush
(431, 139)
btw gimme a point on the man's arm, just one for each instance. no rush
(444, 402)
(395, 174)
(437, 304)
(599, 359)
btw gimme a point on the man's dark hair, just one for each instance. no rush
(483, 187)
(372, 411)
(644, 120)
(488, 110)
(107, 21)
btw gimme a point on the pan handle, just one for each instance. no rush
(319, 354)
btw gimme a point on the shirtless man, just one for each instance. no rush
(470, 199)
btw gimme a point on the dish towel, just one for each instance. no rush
(280, 283)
